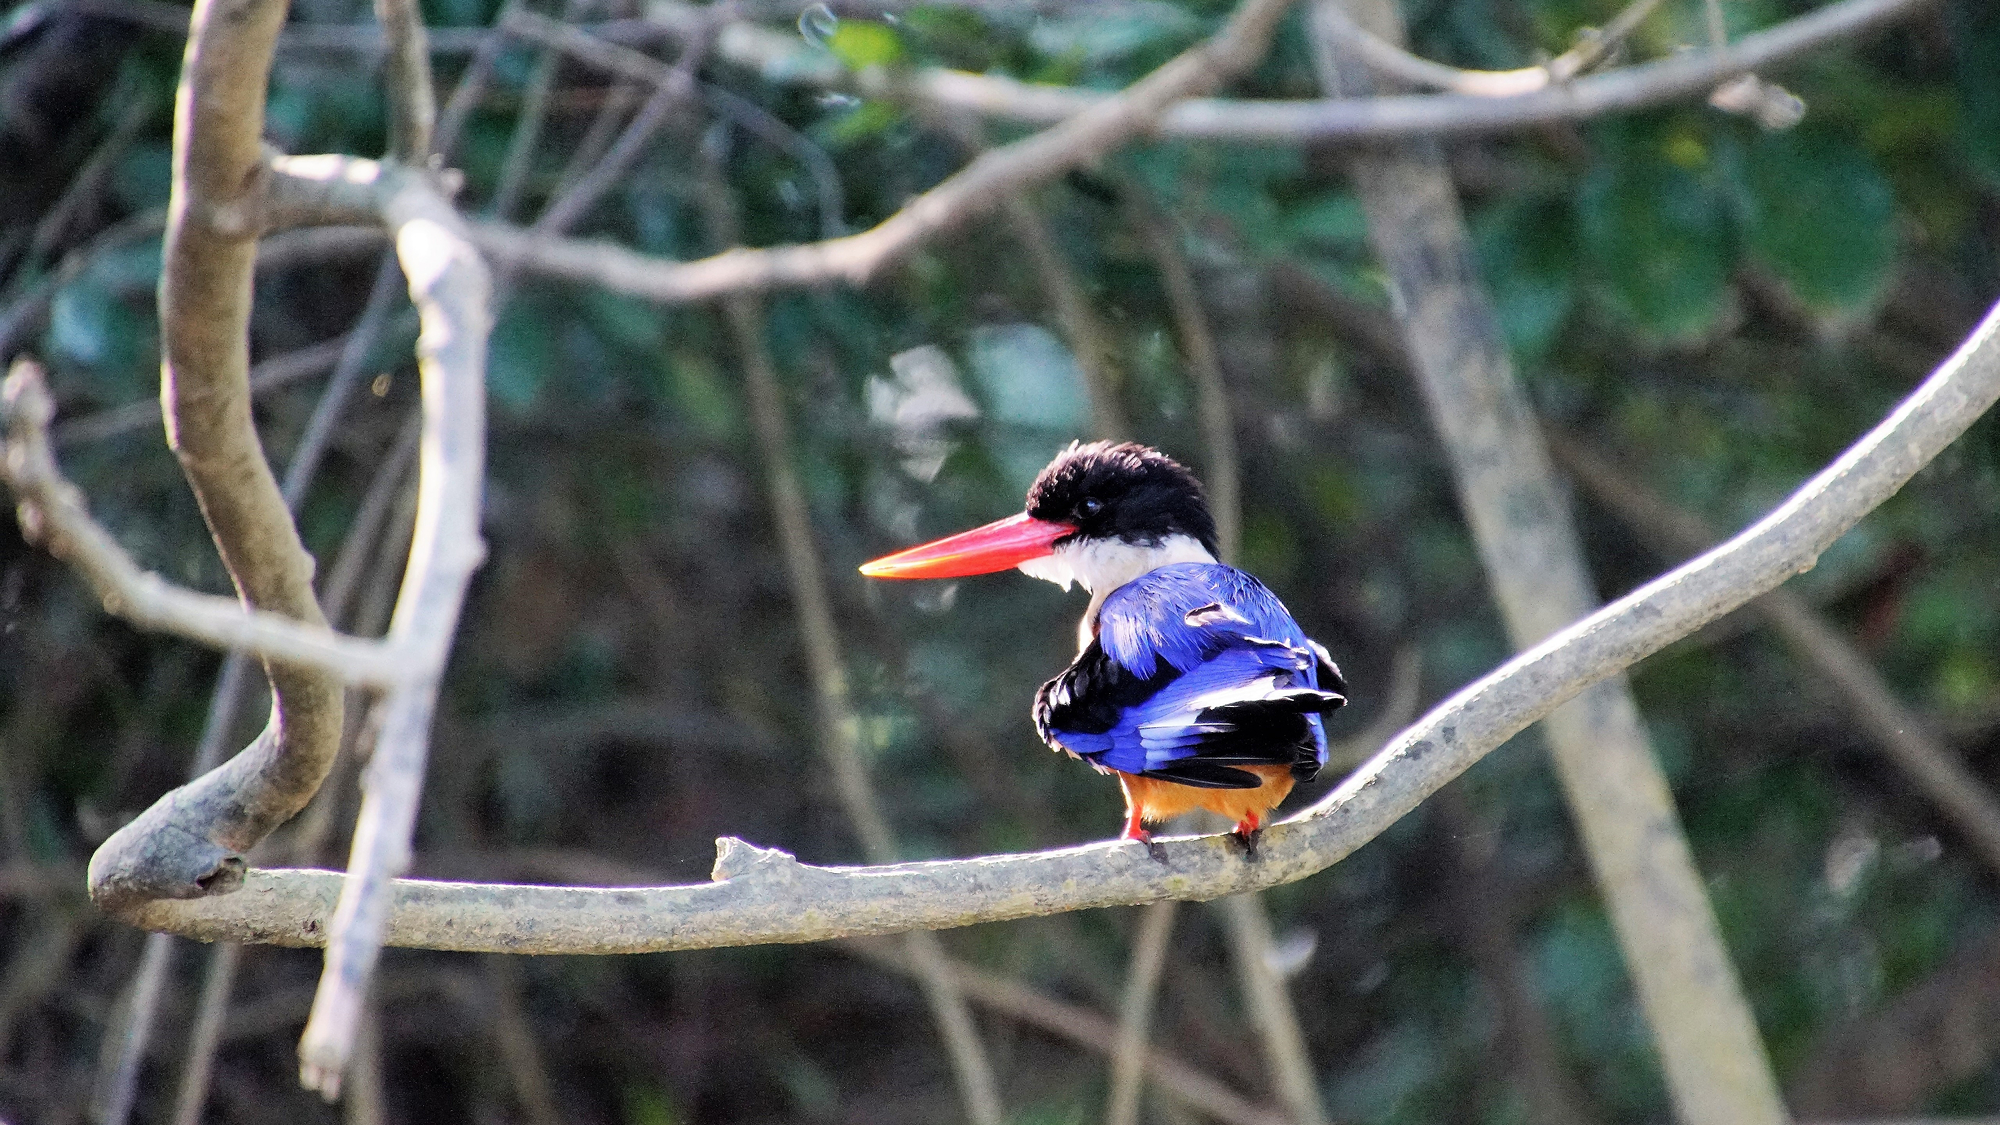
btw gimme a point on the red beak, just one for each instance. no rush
(983, 550)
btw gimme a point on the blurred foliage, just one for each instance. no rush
(1720, 307)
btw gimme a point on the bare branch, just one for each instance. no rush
(1092, 124)
(1218, 428)
(449, 285)
(755, 895)
(1245, 919)
(1679, 77)
(983, 185)
(1901, 734)
(52, 513)
(204, 389)
(1089, 338)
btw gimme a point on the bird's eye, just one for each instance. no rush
(1089, 506)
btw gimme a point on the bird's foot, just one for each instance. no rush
(1248, 831)
(1135, 831)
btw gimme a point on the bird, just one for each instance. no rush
(1192, 684)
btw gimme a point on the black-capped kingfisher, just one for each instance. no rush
(1194, 686)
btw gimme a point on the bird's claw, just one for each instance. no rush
(1156, 851)
(1247, 841)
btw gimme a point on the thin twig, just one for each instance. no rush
(25, 314)
(1484, 924)
(206, 1034)
(83, 188)
(1252, 947)
(520, 158)
(755, 894)
(1903, 736)
(128, 1036)
(52, 512)
(681, 80)
(1399, 706)
(840, 727)
(1391, 61)
(514, 1040)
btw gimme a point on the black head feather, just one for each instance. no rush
(1122, 491)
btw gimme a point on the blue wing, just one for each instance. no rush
(1197, 668)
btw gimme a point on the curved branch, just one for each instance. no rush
(996, 98)
(981, 186)
(761, 896)
(209, 254)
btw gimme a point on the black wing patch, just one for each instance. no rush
(1093, 693)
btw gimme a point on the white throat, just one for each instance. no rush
(1102, 565)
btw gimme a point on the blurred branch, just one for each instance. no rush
(1090, 338)
(1399, 706)
(268, 375)
(1253, 948)
(978, 188)
(755, 894)
(514, 1039)
(1088, 1030)
(1713, 1058)
(1135, 1011)
(407, 82)
(783, 58)
(1391, 61)
(129, 1032)
(1222, 474)
(89, 181)
(25, 314)
(839, 726)
(1901, 734)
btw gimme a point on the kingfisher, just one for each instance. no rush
(1192, 686)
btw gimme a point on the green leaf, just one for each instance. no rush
(1821, 217)
(1658, 237)
(862, 43)
(1523, 252)
(520, 356)
(1333, 218)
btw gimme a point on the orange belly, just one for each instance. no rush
(1154, 800)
